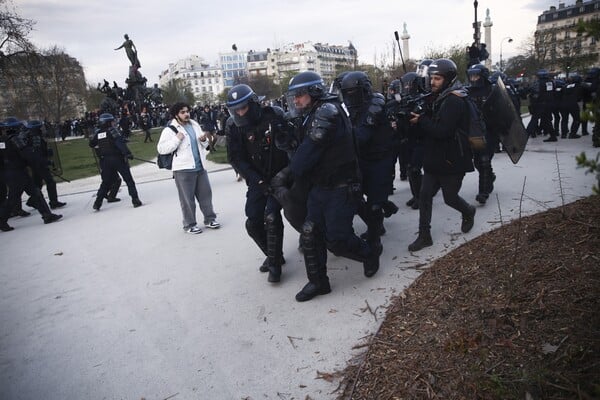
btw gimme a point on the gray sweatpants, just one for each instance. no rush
(193, 186)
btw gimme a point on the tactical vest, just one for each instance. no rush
(106, 143)
(257, 139)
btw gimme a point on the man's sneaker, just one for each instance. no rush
(213, 225)
(194, 229)
(468, 220)
(57, 204)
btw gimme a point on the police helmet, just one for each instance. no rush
(356, 89)
(394, 89)
(497, 74)
(307, 82)
(543, 74)
(105, 120)
(239, 97)
(478, 74)
(444, 67)
(33, 124)
(12, 122)
(410, 84)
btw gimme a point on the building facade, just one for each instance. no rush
(557, 42)
(324, 59)
(233, 65)
(204, 80)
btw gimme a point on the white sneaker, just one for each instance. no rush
(213, 225)
(194, 230)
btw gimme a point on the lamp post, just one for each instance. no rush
(502, 41)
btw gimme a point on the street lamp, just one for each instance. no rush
(502, 41)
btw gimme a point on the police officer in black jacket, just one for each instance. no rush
(375, 142)
(250, 132)
(40, 166)
(16, 156)
(326, 158)
(113, 153)
(447, 153)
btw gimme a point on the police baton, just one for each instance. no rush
(141, 159)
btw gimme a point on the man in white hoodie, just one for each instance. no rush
(184, 136)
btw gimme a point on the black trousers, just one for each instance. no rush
(431, 184)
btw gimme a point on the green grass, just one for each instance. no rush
(78, 161)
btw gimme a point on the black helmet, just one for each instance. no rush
(336, 85)
(307, 82)
(444, 67)
(33, 124)
(478, 74)
(497, 74)
(105, 120)
(239, 97)
(394, 89)
(543, 74)
(356, 89)
(12, 123)
(410, 84)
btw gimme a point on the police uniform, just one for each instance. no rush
(112, 151)
(253, 155)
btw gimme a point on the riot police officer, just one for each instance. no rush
(326, 156)
(374, 138)
(542, 99)
(479, 90)
(113, 153)
(251, 150)
(40, 166)
(16, 157)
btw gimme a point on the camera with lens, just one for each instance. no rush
(408, 104)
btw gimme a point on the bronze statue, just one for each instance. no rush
(131, 51)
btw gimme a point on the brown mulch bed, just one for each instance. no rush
(512, 314)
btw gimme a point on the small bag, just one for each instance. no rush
(165, 161)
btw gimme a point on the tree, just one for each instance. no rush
(46, 85)
(456, 53)
(13, 32)
(264, 86)
(177, 90)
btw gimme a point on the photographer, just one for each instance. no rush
(447, 154)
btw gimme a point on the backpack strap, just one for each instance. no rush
(173, 128)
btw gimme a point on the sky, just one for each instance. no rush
(166, 31)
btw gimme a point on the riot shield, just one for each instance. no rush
(54, 158)
(502, 118)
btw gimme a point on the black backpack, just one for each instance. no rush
(165, 161)
(477, 128)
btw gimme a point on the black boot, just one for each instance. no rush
(50, 218)
(422, 241)
(97, 204)
(274, 274)
(318, 282)
(389, 208)
(5, 227)
(112, 199)
(312, 289)
(136, 202)
(468, 220)
(371, 264)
